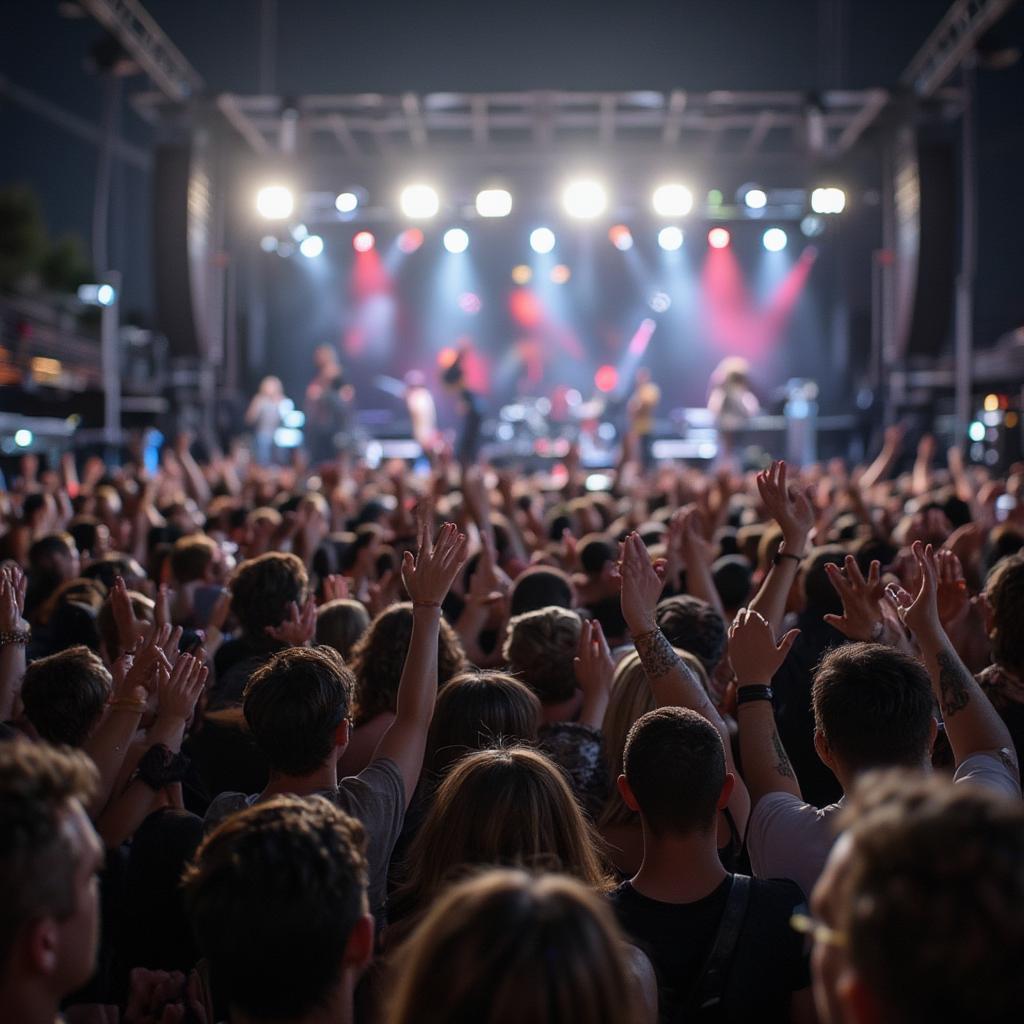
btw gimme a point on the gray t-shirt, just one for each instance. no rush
(376, 797)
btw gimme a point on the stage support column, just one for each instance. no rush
(110, 358)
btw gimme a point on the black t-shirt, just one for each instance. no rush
(769, 962)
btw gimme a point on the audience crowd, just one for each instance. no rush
(340, 744)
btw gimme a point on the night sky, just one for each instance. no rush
(325, 46)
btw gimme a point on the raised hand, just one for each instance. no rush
(862, 617)
(788, 506)
(429, 575)
(593, 665)
(953, 599)
(686, 536)
(642, 584)
(136, 674)
(335, 588)
(180, 689)
(382, 593)
(753, 653)
(13, 585)
(300, 626)
(920, 612)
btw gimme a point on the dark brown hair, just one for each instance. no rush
(263, 587)
(64, 695)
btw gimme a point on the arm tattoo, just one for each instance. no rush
(953, 693)
(782, 765)
(656, 654)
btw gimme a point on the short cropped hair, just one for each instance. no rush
(693, 625)
(931, 897)
(294, 704)
(263, 587)
(191, 557)
(540, 647)
(674, 763)
(540, 586)
(64, 695)
(37, 863)
(873, 705)
(273, 895)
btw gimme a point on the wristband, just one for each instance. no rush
(136, 707)
(160, 766)
(15, 636)
(746, 694)
(780, 555)
(426, 604)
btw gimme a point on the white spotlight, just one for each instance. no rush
(828, 200)
(672, 200)
(419, 202)
(585, 199)
(23, 438)
(756, 199)
(494, 202)
(671, 238)
(774, 239)
(275, 202)
(105, 295)
(456, 240)
(542, 240)
(268, 243)
(812, 225)
(311, 246)
(346, 202)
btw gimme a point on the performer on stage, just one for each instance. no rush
(732, 403)
(422, 412)
(467, 444)
(329, 402)
(264, 415)
(641, 408)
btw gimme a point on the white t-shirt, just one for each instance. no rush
(790, 839)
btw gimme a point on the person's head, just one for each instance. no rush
(297, 706)
(674, 773)
(262, 589)
(510, 807)
(196, 558)
(818, 595)
(921, 905)
(378, 658)
(325, 357)
(732, 576)
(64, 695)
(477, 710)
(1004, 595)
(595, 553)
(54, 559)
(507, 947)
(872, 709)
(49, 857)
(340, 623)
(540, 647)
(277, 900)
(108, 567)
(91, 537)
(270, 387)
(693, 625)
(540, 586)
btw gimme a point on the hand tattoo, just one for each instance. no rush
(953, 683)
(782, 765)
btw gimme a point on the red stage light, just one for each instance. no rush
(718, 238)
(410, 240)
(606, 379)
(363, 241)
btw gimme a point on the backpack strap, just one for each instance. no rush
(708, 989)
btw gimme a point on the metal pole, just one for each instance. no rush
(110, 356)
(964, 339)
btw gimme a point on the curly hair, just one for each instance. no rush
(929, 897)
(378, 658)
(540, 647)
(1004, 590)
(263, 587)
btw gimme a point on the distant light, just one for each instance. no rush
(542, 240)
(621, 237)
(346, 202)
(606, 379)
(311, 246)
(672, 200)
(1011, 420)
(976, 431)
(991, 403)
(671, 238)
(660, 302)
(718, 238)
(572, 398)
(521, 274)
(494, 202)
(410, 240)
(812, 225)
(105, 295)
(275, 202)
(828, 200)
(268, 243)
(585, 199)
(23, 438)
(560, 274)
(606, 431)
(299, 232)
(756, 199)
(715, 197)
(774, 239)
(598, 482)
(363, 241)
(420, 202)
(456, 240)
(469, 302)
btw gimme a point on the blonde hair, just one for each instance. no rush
(631, 698)
(508, 807)
(507, 947)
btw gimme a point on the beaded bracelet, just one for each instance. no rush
(15, 636)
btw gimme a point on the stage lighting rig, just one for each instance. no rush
(672, 200)
(275, 202)
(493, 202)
(670, 239)
(419, 202)
(585, 199)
